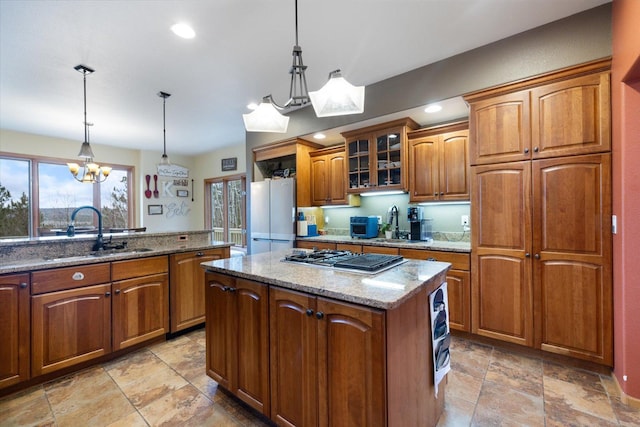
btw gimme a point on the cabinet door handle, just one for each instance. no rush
(107, 294)
(535, 150)
(527, 255)
(232, 289)
(537, 256)
(526, 151)
(309, 312)
(23, 285)
(117, 291)
(442, 193)
(431, 259)
(435, 194)
(319, 315)
(200, 254)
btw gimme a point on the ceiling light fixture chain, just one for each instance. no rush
(164, 160)
(91, 172)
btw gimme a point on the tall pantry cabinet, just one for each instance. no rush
(541, 223)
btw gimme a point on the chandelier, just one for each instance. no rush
(336, 98)
(89, 172)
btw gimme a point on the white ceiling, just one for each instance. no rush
(242, 52)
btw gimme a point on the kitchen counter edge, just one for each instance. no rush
(436, 245)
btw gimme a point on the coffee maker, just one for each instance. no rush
(419, 227)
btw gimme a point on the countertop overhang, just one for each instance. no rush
(385, 290)
(435, 245)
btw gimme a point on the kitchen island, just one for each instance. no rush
(311, 346)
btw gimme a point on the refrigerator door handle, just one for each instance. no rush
(293, 214)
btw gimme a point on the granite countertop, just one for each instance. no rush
(384, 290)
(435, 245)
(42, 263)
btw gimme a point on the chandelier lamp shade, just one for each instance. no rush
(266, 118)
(90, 172)
(336, 98)
(164, 160)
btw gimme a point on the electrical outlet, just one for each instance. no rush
(379, 220)
(464, 220)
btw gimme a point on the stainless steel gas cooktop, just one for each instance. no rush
(345, 260)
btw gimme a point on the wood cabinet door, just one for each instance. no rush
(572, 264)
(351, 365)
(15, 329)
(571, 117)
(423, 169)
(293, 350)
(69, 327)
(502, 304)
(310, 244)
(319, 180)
(140, 309)
(454, 166)
(459, 289)
(252, 344)
(187, 287)
(337, 189)
(220, 329)
(499, 129)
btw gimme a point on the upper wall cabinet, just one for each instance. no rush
(328, 174)
(377, 156)
(558, 114)
(439, 163)
(291, 155)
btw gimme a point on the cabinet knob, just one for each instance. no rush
(319, 315)
(107, 294)
(431, 259)
(232, 289)
(200, 254)
(527, 255)
(442, 193)
(309, 312)
(526, 151)
(535, 150)
(117, 291)
(537, 256)
(23, 285)
(435, 194)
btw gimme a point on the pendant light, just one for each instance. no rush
(338, 97)
(91, 172)
(266, 118)
(164, 160)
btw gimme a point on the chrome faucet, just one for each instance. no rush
(393, 212)
(71, 230)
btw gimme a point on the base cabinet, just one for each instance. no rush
(187, 286)
(15, 329)
(237, 338)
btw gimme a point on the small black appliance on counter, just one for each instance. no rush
(419, 227)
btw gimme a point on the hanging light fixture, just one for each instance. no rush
(337, 97)
(91, 172)
(164, 160)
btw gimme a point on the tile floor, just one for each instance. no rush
(165, 384)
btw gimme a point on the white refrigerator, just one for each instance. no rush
(273, 215)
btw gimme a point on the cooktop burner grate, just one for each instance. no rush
(346, 260)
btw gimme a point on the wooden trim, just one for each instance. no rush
(599, 65)
(327, 150)
(634, 402)
(406, 122)
(287, 147)
(207, 200)
(436, 130)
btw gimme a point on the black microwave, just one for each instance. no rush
(364, 227)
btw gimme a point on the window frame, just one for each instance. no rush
(208, 211)
(34, 191)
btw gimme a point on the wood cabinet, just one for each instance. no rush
(439, 163)
(541, 261)
(458, 283)
(327, 362)
(187, 286)
(140, 300)
(388, 250)
(15, 329)
(307, 244)
(237, 334)
(70, 324)
(328, 173)
(377, 156)
(291, 154)
(562, 113)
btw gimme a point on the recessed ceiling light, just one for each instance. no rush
(252, 106)
(319, 136)
(183, 30)
(433, 108)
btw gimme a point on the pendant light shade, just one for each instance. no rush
(91, 172)
(164, 160)
(337, 97)
(266, 118)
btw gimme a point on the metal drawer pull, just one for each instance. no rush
(77, 276)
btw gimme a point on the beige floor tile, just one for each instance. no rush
(627, 416)
(519, 378)
(457, 412)
(470, 358)
(463, 386)
(199, 336)
(134, 419)
(26, 408)
(88, 397)
(562, 396)
(144, 378)
(189, 360)
(572, 375)
(509, 405)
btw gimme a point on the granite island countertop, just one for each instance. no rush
(435, 245)
(385, 290)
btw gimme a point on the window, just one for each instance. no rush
(46, 208)
(226, 208)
